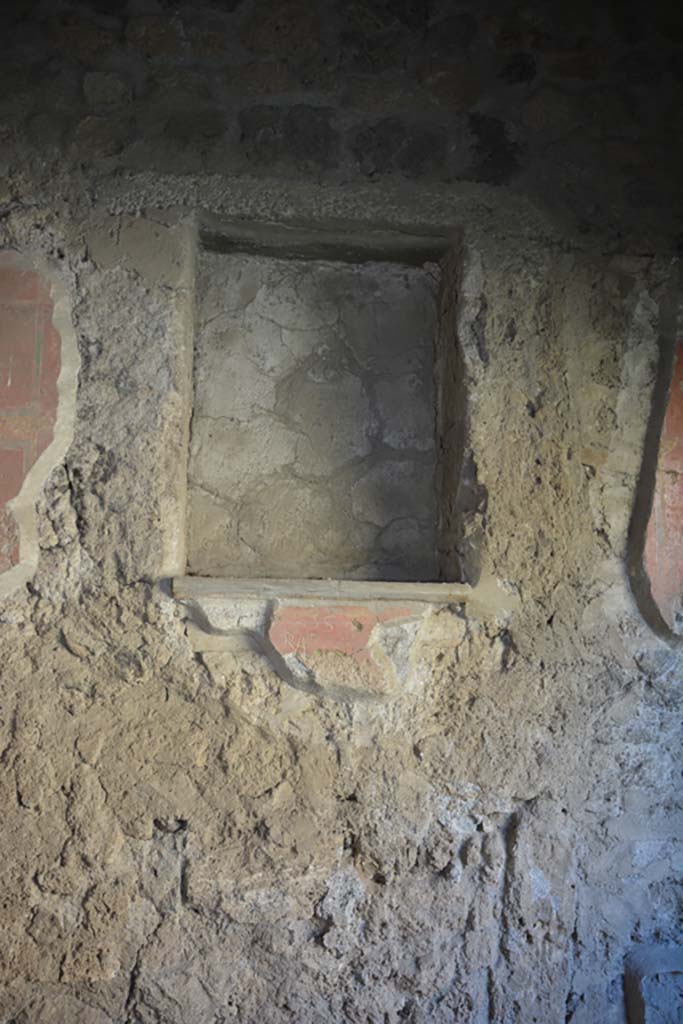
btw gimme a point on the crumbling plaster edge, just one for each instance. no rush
(24, 505)
(668, 332)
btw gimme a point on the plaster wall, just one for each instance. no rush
(187, 837)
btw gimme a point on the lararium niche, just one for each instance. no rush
(326, 443)
(320, 446)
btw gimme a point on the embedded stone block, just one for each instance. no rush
(104, 89)
(79, 37)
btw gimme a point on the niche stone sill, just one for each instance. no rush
(340, 638)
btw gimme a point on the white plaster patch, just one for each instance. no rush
(540, 886)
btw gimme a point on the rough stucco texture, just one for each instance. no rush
(191, 839)
(29, 368)
(313, 441)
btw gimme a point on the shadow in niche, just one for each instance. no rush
(386, 342)
(461, 498)
(458, 500)
(646, 486)
(372, 383)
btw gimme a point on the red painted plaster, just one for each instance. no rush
(29, 368)
(664, 541)
(302, 629)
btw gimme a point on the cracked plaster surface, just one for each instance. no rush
(313, 443)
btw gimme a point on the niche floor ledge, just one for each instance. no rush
(347, 639)
(333, 629)
(318, 591)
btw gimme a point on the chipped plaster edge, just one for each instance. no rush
(173, 525)
(24, 506)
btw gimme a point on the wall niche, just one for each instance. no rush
(326, 434)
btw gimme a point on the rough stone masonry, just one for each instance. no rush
(193, 837)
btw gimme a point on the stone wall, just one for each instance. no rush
(572, 105)
(190, 836)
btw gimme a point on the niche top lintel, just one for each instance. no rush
(348, 242)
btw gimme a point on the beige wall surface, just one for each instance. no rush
(191, 834)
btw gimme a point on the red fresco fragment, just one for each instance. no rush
(302, 629)
(664, 540)
(30, 361)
